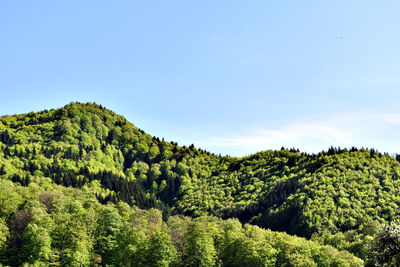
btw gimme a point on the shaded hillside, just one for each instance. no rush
(87, 146)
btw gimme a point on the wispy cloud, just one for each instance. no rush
(314, 134)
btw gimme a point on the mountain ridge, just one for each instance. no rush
(319, 196)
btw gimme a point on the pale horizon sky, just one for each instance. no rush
(231, 77)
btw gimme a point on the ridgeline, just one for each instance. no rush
(76, 183)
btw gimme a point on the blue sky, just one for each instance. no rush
(234, 77)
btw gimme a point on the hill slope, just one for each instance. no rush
(51, 225)
(335, 194)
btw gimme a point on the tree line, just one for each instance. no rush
(337, 197)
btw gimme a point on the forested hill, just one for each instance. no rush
(336, 197)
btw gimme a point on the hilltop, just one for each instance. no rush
(337, 197)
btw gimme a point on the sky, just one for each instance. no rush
(232, 77)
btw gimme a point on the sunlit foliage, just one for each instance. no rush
(337, 197)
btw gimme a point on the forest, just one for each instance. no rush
(82, 186)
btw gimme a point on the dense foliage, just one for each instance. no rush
(385, 249)
(46, 224)
(338, 197)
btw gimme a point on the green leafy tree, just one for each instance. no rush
(36, 238)
(385, 248)
(200, 250)
(108, 231)
(161, 250)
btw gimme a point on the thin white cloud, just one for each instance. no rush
(388, 118)
(315, 134)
